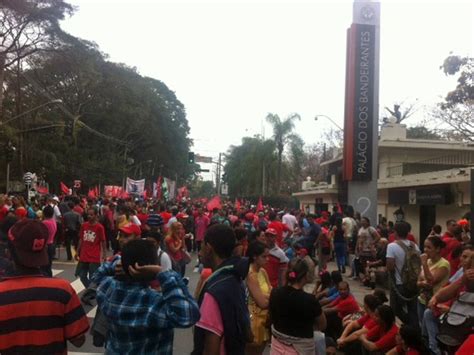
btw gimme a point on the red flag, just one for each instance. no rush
(96, 191)
(215, 202)
(64, 188)
(43, 190)
(339, 208)
(144, 194)
(237, 204)
(124, 195)
(91, 193)
(260, 205)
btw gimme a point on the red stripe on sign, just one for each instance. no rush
(350, 92)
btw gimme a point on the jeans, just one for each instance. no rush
(430, 330)
(85, 271)
(340, 250)
(71, 239)
(406, 311)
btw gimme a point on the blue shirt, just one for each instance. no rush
(142, 320)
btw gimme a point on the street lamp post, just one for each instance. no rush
(331, 120)
(9, 150)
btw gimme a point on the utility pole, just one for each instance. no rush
(471, 201)
(218, 182)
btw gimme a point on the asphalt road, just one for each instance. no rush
(183, 338)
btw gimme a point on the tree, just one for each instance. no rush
(282, 134)
(421, 132)
(118, 116)
(27, 26)
(457, 110)
(250, 167)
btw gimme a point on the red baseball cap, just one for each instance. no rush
(271, 231)
(182, 216)
(29, 239)
(131, 228)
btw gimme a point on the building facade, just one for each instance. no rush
(427, 180)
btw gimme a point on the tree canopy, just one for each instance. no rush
(111, 121)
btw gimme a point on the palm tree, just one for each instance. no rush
(282, 134)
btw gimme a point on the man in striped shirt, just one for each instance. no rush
(38, 315)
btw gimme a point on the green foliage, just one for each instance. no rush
(282, 134)
(457, 110)
(245, 166)
(200, 188)
(111, 103)
(421, 132)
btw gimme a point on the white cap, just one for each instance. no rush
(56, 198)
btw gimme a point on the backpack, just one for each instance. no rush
(457, 324)
(411, 268)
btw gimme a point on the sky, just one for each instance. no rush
(233, 62)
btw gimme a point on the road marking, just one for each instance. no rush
(56, 272)
(92, 312)
(77, 286)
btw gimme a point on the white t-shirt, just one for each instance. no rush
(290, 221)
(396, 252)
(349, 225)
(165, 261)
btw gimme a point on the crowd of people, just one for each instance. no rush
(265, 279)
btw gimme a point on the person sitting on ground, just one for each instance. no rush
(356, 328)
(141, 319)
(295, 314)
(336, 310)
(434, 273)
(409, 342)
(377, 265)
(324, 283)
(383, 336)
(332, 293)
(381, 297)
(331, 346)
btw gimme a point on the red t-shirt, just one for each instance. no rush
(280, 228)
(91, 235)
(3, 212)
(277, 260)
(166, 217)
(367, 322)
(345, 306)
(384, 340)
(78, 209)
(391, 238)
(143, 218)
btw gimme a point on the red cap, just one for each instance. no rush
(303, 252)
(249, 216)
(181, 215)
(271, 231)
(131, 229)
(29, 238)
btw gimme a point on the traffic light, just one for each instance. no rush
(191, 158)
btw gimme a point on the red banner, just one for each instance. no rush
(64, 188)
(215, 202)
(259, 205)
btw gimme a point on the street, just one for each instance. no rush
(183, 338)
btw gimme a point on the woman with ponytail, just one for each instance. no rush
(295, 314)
